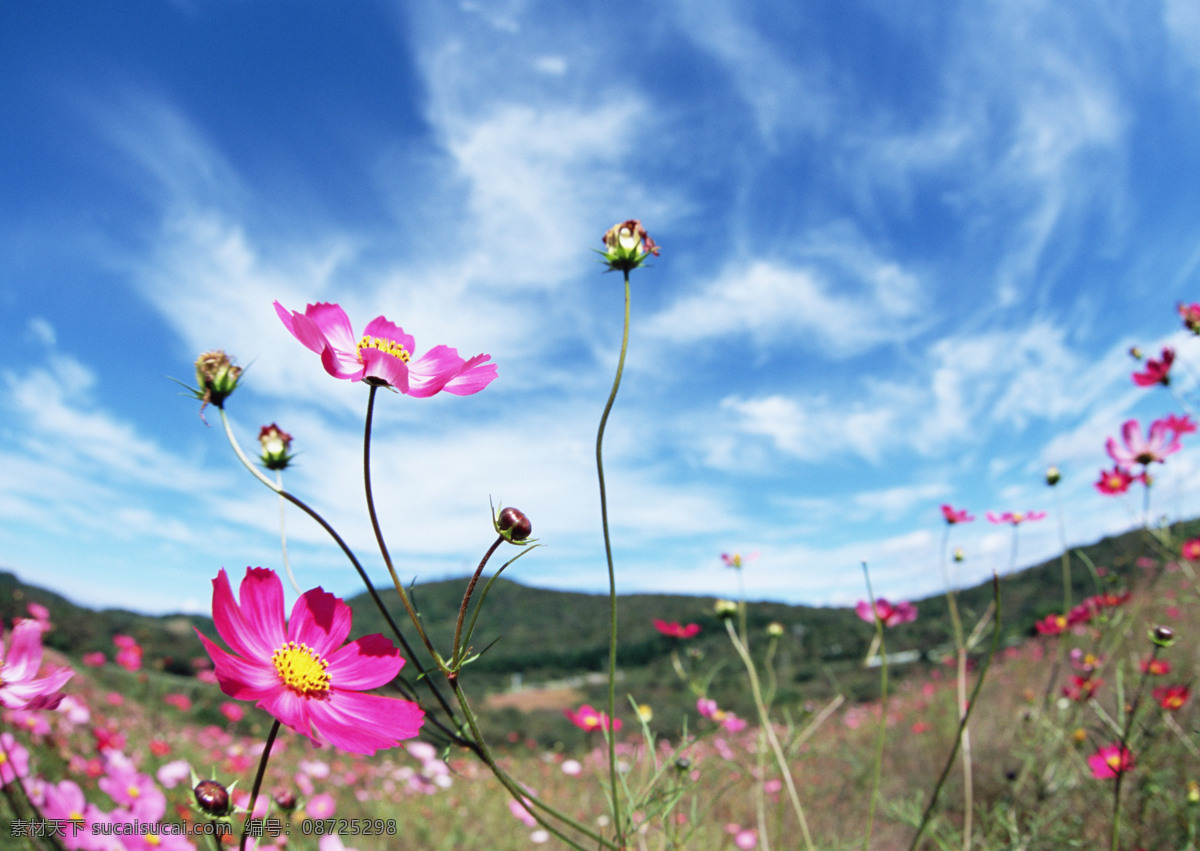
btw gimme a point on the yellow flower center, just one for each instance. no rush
(302, 669)
(1114, 761)
(390, 347)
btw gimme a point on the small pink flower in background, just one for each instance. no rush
(232, 712)
(736, 560)
(572, 767)
(114, 698)
(1190, 314)
(1156, 667)
(321, 805)
(589, 719)
(40, 614)
(129, 652)
(743, 837)
(180, 701)
(300, 671)
(674, 630)
(20, 686)
(708, 709)
(521, 813)
(1117, 481)
(1157, 371)
(33, 722)
(954, 516)
(1191, 549)
(95, 659)
(1016, 518)
(173, 773)
(130, 788)
(14, 759)
(1110, 761)
(1161, 441)
(74, 711)
(890, 614)
(1180, 425)
(1081, 689)
(1052, 625)
(332, 842)
(1172, 698)
(384, 354)
(159, 747)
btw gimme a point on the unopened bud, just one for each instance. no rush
(1135, 353)
(775, 629)
(275, 445)
(285, 799)
(1053, 476)
(513, 525)
(959, 555)
(1163, 636)
(725, 608)
(628, 245)
(216, 376)
(212, 798)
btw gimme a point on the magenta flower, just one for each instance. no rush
(1157, 371)
(384, 354)
(675, 630)
(20, 686)
(1110, 761)
(300, 671)
(736, 560)
(1117, 481)
(1190, 314)
(956, 516)
(589, 719)
(14, 759)
(707, 707)
(1016, 518)
(1180, 425)
(1162, 441)
(890, 614)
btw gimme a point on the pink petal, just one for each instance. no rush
(255, 629)
(475, 376)
(369, 662)
(24, 651)
(386, 330)
(302, 328)
(387, 367)
(320, 620)
(241, 679)
(364, 723)
(333, 324)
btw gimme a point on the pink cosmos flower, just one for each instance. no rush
(1172, 698)
(1080, 689)
(1052, 625)
(1191, 549)
(736, 561)
(708, 709)
(674, 630)
(890, 614)
(1110, 761)
(1161, 441)
(95, 659)
(1016, 518)
(1157, 371)
(956, 516)
(300, 671)
(1117, 481)
(20, 686)
(14, 759)
(589, 719)
(1180, 425)
(1190, 314)
(384, 354)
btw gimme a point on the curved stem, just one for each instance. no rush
(769, 730)
(258, 779)
(287, 565)
(612, 580)
(462, 611)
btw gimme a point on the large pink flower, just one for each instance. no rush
(1162, 440)
(20, 686)
(384, 354)
(299, 670)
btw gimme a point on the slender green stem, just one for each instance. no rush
(258, 779)
(462, 611)
(612, 579)
(878, 771)
(962, 724)
(287, 565)
(1123, 745)
(769, 729)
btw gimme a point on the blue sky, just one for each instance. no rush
(906, 248)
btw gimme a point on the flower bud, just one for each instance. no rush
(683, 764)
(775, 629)
(725, 609)
(212, 798)
(959, 555)
(1190, 314)
(1135, 353)
(513, 525)
(1163, 636)
(1193, 792)
(216, 376)
(1053, 476)
(285, 799)
(628, 245)
(275, 444)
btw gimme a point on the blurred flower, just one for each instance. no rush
(1016, 518)
(953, 515)
(959, 555)
(20, 686)
(1180, 425)
(232, 712)
(1191, 549)
(383, 355)
(171, 774)
(589, 719)
(1155, 666)
(708, 709)
(891, 615)
(1110, 761)
(1053, 476)
(725, 608)
(775, 629)
(1156, 371)
(217, 378)
(628, 245)
(1161, 441)
(1172, 697)
(1080, 689)
(275, 445)
(322, 805)
(1117, 481)
(129, 652)
(645, 712)
(300, 671)
(674, 630)
(1190, 314)
(180, 701)
(95, 659)
(736, 561)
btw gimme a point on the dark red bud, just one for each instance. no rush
(513, 524)
(212, 797)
